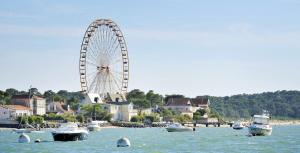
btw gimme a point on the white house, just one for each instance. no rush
(92, 98)
(59, 108)
(186, 105)
(121, 111)
(8, 112)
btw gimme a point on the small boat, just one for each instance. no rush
(237, 125)
(69, 132)
(260, 125)
(28, 129)
(177, 127)
(94, 126)
(22, 130)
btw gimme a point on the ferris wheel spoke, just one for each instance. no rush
(113, 45)
(104, 84)
(99, 40)
(116, 82)
(90, 87)
(91, 63)
(117, 61)
(93, 48)
(112, 52)
(111, 40)
(91, 55)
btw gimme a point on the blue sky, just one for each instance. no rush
(175, 46)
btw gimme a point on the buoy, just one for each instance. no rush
(123, 142)
(24, 138)
(37, 141)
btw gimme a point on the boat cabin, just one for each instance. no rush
(261, 119)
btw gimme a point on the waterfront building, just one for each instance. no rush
(115, 104)
(92, 98)
(58, 108)
(187, 106)
(11, 112)
(36, 104)
(121, 111)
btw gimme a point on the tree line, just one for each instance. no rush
(281, 104)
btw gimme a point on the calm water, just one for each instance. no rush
(285, 139)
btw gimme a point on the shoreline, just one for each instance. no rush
(284, 122)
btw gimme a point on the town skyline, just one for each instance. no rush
(240, 48)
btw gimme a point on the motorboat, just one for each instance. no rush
(260, 125)
(69, 132)
(238, 126)
(28, 129)
(177, 127)
(94, 126)
(22, 130)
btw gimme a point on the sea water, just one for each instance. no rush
(284, 139)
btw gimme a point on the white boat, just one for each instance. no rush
(22, 130)
(238, 126)
(94, 126)
(260, 125)
(29, 129)
(177, 127)
(69, 132)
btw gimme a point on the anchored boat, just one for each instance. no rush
(94, 126)
(177, 127)
(260, 125)
(69, 132)
(237, 125)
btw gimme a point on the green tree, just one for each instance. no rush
(154, 98)
(95, 111)
(11, 91)
(49, 95)
(138, 98)
(80, 118)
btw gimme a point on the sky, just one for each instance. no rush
(189, 47)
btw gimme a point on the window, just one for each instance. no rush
(96, 99)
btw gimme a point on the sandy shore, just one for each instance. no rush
(272, 122)
(285, 122)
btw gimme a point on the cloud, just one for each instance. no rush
(18, 16)
(233, 35)
(41, 31)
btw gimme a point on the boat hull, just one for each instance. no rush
(69, 136)
(179, 129)
(259, 131)
(237, 128)
(93, 128)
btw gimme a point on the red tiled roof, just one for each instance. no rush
(15, 107)
(25, 96)
(178, 102)
(60, 107)
(199, 101)
(187, 102)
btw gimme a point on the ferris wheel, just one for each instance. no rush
(103, 63)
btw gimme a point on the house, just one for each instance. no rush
(36, 104)
(201, 102)
(92, 98)
(58, 108)
(121, 111)
(8, 112)
(187, 106)
(114, 104)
